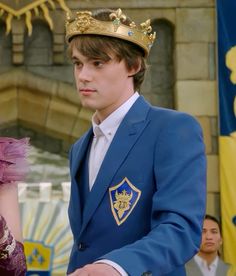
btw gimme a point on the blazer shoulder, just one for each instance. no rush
(170, 113)
(169, 117)
(223, 267)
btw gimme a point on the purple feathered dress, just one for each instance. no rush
(13, 168)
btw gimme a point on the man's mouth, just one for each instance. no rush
(86, 91)
(209, 243)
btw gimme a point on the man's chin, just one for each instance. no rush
(87, 104)
(209, 250)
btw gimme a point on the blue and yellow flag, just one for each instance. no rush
(226, 24)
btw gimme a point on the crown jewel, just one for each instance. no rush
(85, 23)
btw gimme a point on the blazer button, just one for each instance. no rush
(81, 246)
(147, 273)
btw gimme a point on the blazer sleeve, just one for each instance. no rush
(178, 204)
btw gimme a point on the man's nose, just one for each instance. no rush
(208, 236)
(84, 74)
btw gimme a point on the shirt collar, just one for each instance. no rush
(201, 262)
(109, 126)
(215, 262)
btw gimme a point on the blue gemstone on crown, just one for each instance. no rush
(130, 33)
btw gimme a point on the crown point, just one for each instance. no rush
(68, 16)
(132, 24)
(119, 12)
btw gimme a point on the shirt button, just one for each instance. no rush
(82, 246)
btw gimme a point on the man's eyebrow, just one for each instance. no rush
(213, 228)
(74, 58)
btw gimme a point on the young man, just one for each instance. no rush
(207, 262)
(139, 174)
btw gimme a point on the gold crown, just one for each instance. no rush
(84, 23)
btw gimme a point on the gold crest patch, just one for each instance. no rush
(123, 198)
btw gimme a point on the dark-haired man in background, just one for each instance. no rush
(208, 262)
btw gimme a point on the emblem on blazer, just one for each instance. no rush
(123, 198)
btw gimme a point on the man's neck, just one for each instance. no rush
(102, 114)
(208, 257)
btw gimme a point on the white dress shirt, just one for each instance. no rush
(103, 136)
(207, 270)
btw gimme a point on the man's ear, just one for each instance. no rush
(135, 68)
(221, 241)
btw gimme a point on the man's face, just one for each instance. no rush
(102, 86)
(211, 237)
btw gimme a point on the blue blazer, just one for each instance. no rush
(146, 208)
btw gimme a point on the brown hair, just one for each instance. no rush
(102, 47)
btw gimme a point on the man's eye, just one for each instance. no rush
(98, 63)
(77, 63)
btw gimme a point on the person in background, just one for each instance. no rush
(138, 175)
(13, 168)
(207, 262)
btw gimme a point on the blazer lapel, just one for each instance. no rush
(127, 134)
(74, 205)
(80, 153)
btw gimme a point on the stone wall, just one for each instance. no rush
(42, 99)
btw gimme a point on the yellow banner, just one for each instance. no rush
(228, 196)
